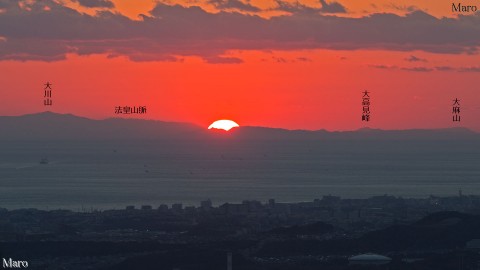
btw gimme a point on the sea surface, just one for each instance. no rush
(111, 175)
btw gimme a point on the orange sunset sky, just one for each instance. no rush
(288, 64)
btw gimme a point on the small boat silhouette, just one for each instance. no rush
(44, 161)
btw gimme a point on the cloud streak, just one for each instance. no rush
(413, 58)
(299, 8)
(428, 69)
(234, 4)
(169, 32)
(96, 3)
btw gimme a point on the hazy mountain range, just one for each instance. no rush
(54, 126)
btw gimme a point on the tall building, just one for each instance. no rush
(206, 204)
(177, 207)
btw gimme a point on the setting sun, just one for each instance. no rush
(223, 124)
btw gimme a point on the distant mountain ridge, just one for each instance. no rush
(49, 125)
(55, 126)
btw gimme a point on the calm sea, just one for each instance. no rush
(113, 174)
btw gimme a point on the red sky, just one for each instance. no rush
(262, 63)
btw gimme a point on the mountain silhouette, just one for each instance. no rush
(55, 126)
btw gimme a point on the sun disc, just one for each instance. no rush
(223, 124)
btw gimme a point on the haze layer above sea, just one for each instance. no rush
(154, 163)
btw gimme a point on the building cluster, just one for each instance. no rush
(355, 215)
(330, 218)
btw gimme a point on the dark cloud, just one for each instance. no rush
(459, 69)
(234, 4)
(223, 60)
(24, 50)
(414, 69)
(171, 32)
(427, 69)
(417, 69)
(304, 59)
(413, 58)
(299, 8)
(404, 8)
(96, 3)
(444, 68)
(280, 59)
(283, 60)
(296, 7)
(333, 7)
(383, 67)
(469, 69)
